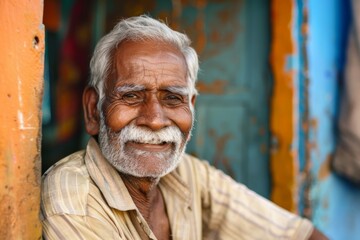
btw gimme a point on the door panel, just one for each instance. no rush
(216, 137)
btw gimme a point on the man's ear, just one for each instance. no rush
(91, 114)
(193, 100)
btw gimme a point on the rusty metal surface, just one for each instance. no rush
(21, 64)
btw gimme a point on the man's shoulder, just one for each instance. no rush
(74, 160)
(65, 186)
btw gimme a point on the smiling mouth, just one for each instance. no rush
(150, 147)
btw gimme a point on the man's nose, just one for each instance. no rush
(153, 115)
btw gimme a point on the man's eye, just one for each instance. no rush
(173, 99)
(132, 98)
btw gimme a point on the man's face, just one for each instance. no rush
(147, 116)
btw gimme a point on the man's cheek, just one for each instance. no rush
(184, 121)
(119, 116)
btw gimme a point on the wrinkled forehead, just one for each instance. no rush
(137, 61)
(147, 46)
(149, 51)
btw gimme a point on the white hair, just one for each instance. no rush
(137, 29)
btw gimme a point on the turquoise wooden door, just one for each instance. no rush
(232, 40)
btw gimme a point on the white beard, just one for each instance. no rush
(136, 162)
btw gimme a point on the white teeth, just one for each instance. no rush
(153, 141)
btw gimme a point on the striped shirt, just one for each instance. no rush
(84, 197)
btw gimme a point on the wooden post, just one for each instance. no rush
(21, 89)
(283, 120)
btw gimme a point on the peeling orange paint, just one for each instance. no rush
(216, 87)
(314, 124)
(325, 170)
(208, 44)
(305, 25)
(21, 64)
(219, 157)
(283, 158)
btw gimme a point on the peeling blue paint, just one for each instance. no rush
(336, 203)
(301, 86)
(292, 62)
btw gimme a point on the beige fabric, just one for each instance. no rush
(84, 197)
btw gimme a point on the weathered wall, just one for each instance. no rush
(21, 64)
(308, 47)
(335, 203)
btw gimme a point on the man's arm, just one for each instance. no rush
(317, 235)
(230, 209)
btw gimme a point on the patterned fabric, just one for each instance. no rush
(84, 197)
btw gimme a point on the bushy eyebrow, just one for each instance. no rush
(129, 88)
(178, 89)
(134, 88)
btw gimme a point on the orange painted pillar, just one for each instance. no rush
(283, 157)
(21, 88)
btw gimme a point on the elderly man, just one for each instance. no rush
(134, 180)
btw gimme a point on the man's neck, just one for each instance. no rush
(147, 197)
(144, 192)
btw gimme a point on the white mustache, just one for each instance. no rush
(134, 133)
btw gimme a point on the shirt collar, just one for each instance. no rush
(174, 184)
(107, 178)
